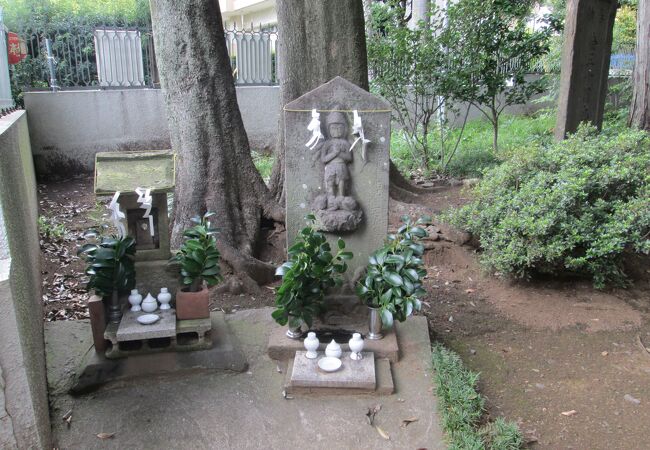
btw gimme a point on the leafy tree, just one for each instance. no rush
(490, 51)
(405, 64)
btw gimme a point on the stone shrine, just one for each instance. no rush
(336, 166)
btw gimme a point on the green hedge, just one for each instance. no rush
(573, 207)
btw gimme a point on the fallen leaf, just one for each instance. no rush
(605, 353)
(407, 422)
(382, 433)
(372, 412)
(569, 413)
(106, 435)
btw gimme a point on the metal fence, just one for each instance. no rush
(101, 56)
(253, 56)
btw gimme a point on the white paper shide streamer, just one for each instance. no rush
(117, 215)
(314, 127)
(357, 130)
(145, 201)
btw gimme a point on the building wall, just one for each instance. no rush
(24, 415)
(68, 128)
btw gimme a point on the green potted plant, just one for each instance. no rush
(110, 265)
(306, 276)
(392, 286)
(198, 258)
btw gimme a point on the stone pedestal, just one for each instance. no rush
(368, 376)
(585, 64)
(129, 337)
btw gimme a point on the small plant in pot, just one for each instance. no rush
(392, 286)
(199, 266)
(310, 271)
(110, 265)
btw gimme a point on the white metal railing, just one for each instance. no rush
(253, 55)
(118, 53)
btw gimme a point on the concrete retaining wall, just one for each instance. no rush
(24, 416)
(67, 128)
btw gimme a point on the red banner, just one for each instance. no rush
(16, 48)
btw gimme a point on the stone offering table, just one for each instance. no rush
(130, 337)
(365, 376)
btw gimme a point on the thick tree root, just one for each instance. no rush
(246, 266)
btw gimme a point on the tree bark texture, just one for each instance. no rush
(586, 53)
(318, 40)
(640, 107)
(214, 170)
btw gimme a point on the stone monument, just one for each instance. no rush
(155, 172)
(337, 160)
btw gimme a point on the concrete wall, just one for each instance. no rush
(67, 128)
(24, 416)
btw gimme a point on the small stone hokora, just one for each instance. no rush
(336, 210)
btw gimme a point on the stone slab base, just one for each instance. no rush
(384, 383)
(280, 347)
(352, 374)
(225, 354)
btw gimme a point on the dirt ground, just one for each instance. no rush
(565, 361)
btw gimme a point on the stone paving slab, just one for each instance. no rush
(207, 409)
(352, 374)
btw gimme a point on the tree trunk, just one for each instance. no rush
(317, 41)
(640, 107)
(214, 170)
(495, 134)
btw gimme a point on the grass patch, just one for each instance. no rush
(475, 154)
(49, 229)
(264, 164)
(462, 408)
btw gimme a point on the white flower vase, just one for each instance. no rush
(135, 299)
(356, 346)
(164, 298)
(311, 344)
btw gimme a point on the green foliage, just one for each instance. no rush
(474, 153)
(49, 229)
(70, 25)
(461, 408)
(491, 50)
(110, 264)
(624, 37)
(306, 276)
(394, 274)
(502, 435)
(264, 164)
(575, 207)
(199, 256)
(405, 63)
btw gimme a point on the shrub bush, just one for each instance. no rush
(576, 206)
